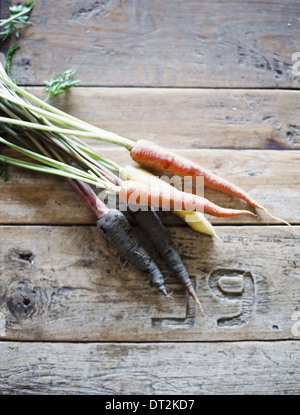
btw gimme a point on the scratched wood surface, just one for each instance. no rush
(212, 81)
(66, 283)
(190, 118)
(90, 368)
(171, 43)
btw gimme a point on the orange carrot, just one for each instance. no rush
(196, 220)
(136, 193)
(152, 155)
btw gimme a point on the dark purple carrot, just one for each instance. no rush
(117, 230)
(114, 226)
(150, 223)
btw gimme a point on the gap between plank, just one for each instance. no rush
(5, 340)
(173, 87)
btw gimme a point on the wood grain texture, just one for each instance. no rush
(155, 43)
(4, 14)
(271, 177)
(67, 284)
(190, 118)
(247, 368)
(4, 6)
(212, 80)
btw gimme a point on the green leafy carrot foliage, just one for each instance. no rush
(60, 83)
(8, 59)
(3, 170)
(19, 15)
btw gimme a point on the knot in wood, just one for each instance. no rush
(21, 298)
(21, 304)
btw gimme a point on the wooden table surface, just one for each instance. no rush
(213, 81)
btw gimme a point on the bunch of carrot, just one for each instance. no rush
(53, 139)
(63, 155)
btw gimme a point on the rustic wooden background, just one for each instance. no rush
(213, 81)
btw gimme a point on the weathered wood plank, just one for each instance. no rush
(248, 368)
(190, 118)
(4, 9)
(4, 14)
(271, 177)
(155, 43)
(67, 284)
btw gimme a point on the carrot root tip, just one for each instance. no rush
(195, 298)
(164, 291)
(279, 219)
(199, 305)
(170, 295)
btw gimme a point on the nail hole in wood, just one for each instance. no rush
(26, 301)
(26, 257)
